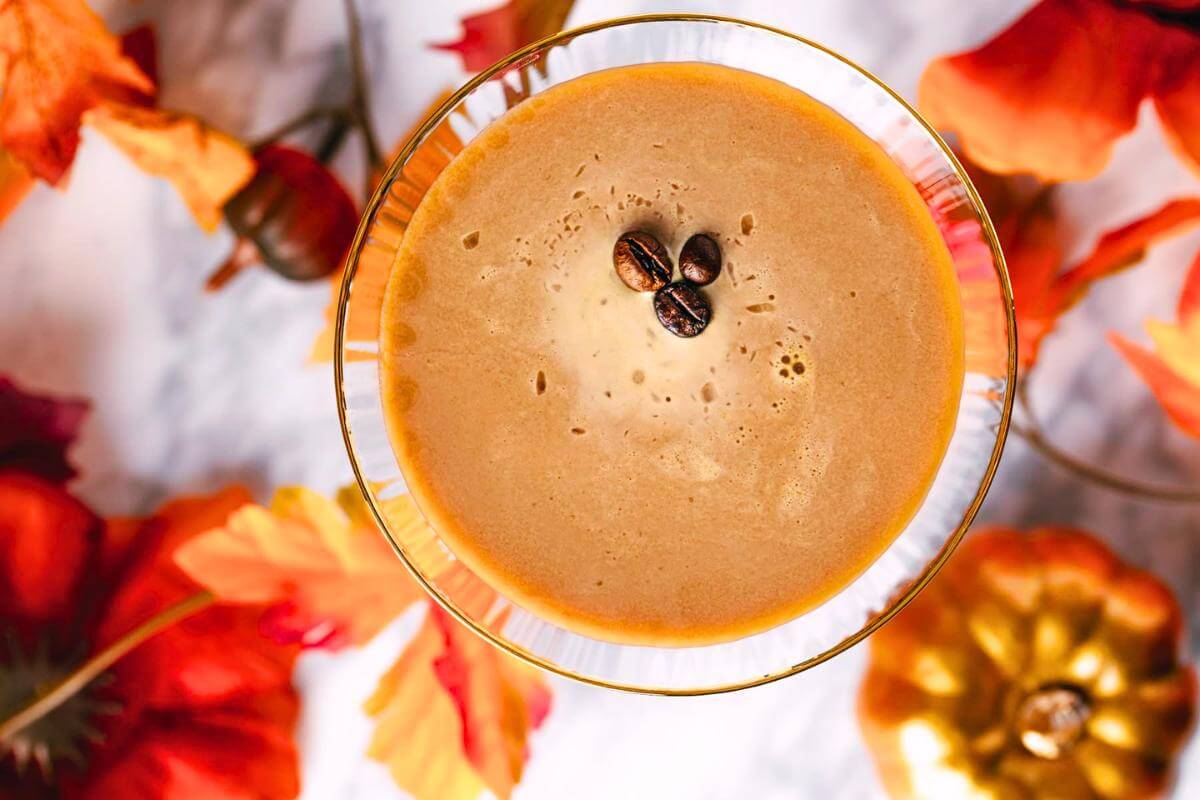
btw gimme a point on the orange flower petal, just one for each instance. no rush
(206, 166)
(1049, 95)
(57, 60)
(46, 540)
(454, 714)
(207, 659)
(243, 751)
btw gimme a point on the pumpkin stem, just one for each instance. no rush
(69, 686)
(1035, 437)
(1052, 719)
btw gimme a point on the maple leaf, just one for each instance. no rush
(454, 714)
(57, 61)
(36, 430)
(323, 567)
(60, 67)
(206, 166)
(491, 35)
(1051, 94)
(1172, 368)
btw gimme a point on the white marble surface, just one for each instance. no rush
(100, 294)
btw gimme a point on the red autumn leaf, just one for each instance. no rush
(36, 430)
(454, 714)
(294, 215)
(140, 46)
(204, 708)
(1172, 368)
(57, 61)
(1051, 94)
(491, 35)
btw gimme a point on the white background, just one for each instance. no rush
(100, 294)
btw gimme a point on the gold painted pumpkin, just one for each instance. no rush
(1034, 666)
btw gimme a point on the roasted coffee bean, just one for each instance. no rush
(682, 309)
(700, 260)
(642, 263)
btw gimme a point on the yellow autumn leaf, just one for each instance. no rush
(206, 166)
(454, 714)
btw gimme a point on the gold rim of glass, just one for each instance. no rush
(902, 599)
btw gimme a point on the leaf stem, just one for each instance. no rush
(362, 95)
(97, 664)
(302, 121)
(1035, 436)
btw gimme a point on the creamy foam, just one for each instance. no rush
(628, 483)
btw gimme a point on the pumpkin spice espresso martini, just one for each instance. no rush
(671, 353)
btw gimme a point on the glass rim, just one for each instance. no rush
(436, 117)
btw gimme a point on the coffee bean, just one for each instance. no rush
(682, 309)
(700, 260)
(642, 263)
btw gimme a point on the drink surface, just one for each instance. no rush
(637, 486)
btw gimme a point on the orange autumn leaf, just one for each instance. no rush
(1172, 368)
(15, 183)
(490, 35)
(206, 166)
(1122, 248)
(57, 61)
(454, 714)
(323, 566)
(1051, 94)
(1032, 240)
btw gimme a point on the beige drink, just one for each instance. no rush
(620, 480)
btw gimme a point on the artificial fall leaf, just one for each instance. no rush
(294, 216)
(454, 714)
(36, 430)
(140, 45)
(1051, 94)
(57, 61)
(1172, 368)
(322, 566)
(206, 166)
(491, 35)
(1032, 240)
(15, 183)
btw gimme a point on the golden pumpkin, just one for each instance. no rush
(1034, 666)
